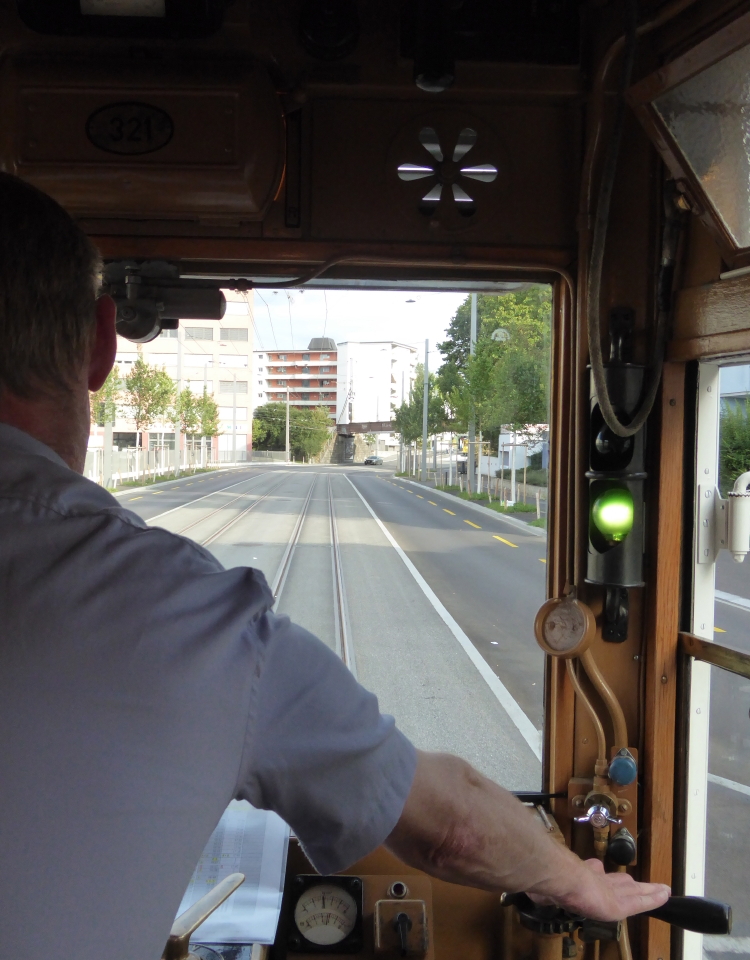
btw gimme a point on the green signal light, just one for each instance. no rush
(612, 513)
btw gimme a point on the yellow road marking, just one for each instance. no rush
(473, 524)
(719, 630)
(135, 498)
(155, 493)
(420, 496)
(542, 560)
(503, 540)
(189, 484)
(448, 511)
(432, 502)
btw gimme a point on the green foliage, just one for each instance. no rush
(208, 415)
(148, 394)
(308, 429)
(408, 417)
(184, 412)
(506, 382)
(103, 403)
(734, 446)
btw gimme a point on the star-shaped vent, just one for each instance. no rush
(447, 171)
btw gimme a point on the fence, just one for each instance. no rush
(110, 467)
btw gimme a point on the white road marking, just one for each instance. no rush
(729, 784)
(198, 499)
(525, 727)
(732, 599)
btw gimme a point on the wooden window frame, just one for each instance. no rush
(641, 97)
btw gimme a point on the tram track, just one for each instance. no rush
(341, 628)
(243, 513)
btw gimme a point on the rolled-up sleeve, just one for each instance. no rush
(319, 752)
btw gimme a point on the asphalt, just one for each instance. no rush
(488, 573)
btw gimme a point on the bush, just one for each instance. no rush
(534, 477)
(734, 446)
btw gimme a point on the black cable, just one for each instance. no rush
(598, 243)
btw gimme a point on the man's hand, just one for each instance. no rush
(608, 896)
(462, 827)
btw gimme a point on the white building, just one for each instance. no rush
(374, 379)
(214, 354)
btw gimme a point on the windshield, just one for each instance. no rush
(424, 574)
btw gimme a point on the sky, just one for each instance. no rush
(352, 315)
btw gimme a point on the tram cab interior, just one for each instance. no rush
(461, 144)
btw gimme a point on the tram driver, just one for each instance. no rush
(143, 687)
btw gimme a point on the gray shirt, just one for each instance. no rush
(142, 687)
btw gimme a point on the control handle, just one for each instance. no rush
(698, 914)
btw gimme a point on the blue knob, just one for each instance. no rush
(623, 769)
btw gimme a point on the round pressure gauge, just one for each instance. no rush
(564, 627)
(325, 914)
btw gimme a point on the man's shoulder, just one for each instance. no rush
(30, 481)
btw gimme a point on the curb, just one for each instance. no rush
(503, 517)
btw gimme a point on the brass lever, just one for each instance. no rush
(187, 923)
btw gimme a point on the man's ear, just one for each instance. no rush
(104, 348)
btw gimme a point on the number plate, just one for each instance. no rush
(129, 128)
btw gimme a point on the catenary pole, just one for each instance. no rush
(425, 408)
(287, 425)
(234, 418)
(470, 473)
(177, 434)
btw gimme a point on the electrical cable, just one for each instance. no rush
(270, 320)
(601, 220)
(289, 305)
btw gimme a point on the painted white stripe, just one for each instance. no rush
(732, 599)
(189, 503)
(726, 944)
(525, 727)
(729, 784)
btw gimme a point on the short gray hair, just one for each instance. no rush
(49, 280)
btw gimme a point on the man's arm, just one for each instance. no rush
(459, 826)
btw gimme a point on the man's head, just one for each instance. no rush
(57, 340)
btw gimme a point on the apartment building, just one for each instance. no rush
(375, 378)
(310, 375)
(215, 354)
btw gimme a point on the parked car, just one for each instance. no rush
(373, 461)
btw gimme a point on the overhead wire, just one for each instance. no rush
(270, 320)
(289, 306)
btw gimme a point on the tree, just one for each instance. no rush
(208, 415)
(185, 412)
(506, 382)
(408, 417)
(308, 429)
(148, 394)
(103, 403)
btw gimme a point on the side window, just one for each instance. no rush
(717, 841)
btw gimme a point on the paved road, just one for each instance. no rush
(403, 648)
(489, 577)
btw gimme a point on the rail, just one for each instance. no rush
(714, 653)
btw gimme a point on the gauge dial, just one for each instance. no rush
(325, 914)
(564, 628)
